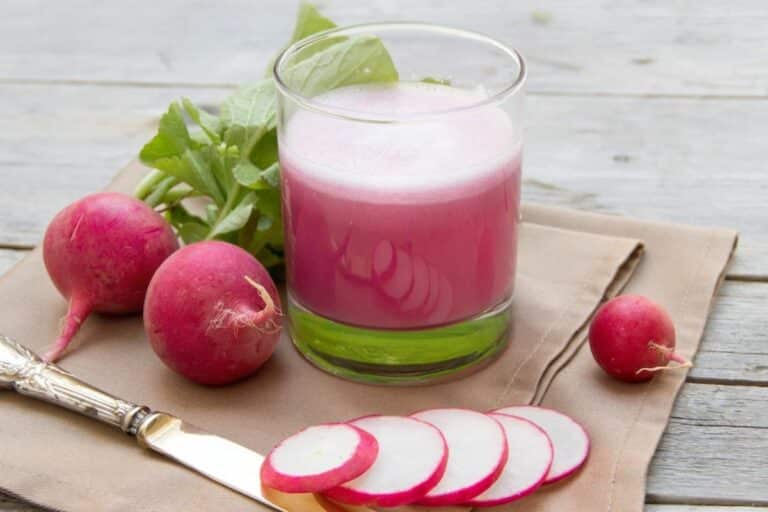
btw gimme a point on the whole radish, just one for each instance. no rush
(101, 252)
(212, 313)
(632, 338)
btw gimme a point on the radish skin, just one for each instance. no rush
(477, 453)
(530, 459)
(319, 458)
(412, 459)
(569, 438)
(632, 338)
(212, 313)
(101, 252)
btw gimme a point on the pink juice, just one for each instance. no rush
(401, 225)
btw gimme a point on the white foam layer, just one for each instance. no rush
(445, 151)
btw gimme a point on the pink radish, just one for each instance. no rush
(570, 440)
(101, 252)
(477, 452)
(632, 338)
(397, 284)
(412, 459)
(530, 458)
(318, 458)
(212, 313)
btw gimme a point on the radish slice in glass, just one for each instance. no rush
(530, 457)
(569, 439)
(318, 458)
(477, 452)
(412, 459)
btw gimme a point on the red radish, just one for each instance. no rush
(412, 459)
(318, 458)
(101, 252)
(569, 439)
(212, 313)
(632, 338)
(530, 458)
(477, 452)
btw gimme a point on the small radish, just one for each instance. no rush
(477, 452)
(632, 338)
(570, 441)
(530, 458)
(212, 313)
(412, 459)
(101, 252)
(318, 458)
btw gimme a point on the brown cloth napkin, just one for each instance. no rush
(569, 263)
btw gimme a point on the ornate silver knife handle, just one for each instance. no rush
(23, 371)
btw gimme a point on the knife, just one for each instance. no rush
(217, 458)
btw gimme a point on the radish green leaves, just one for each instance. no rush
(230, 160)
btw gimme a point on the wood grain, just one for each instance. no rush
(627, 47)
(680, 160)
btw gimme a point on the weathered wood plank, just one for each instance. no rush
(671, 159)
(584, 47)
(735, 344)
(8, 258)
(715, 448)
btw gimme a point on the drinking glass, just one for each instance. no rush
(400, 157)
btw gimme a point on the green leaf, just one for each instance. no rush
(272, 175)
(161, 189)
(360, 59)
(210, 124)
(192, 232)
(148, 183)
(250, 176)
(249, 113)
(172, 137)
(211, 213)
(236, 218)
(264, 153)
(309, 21)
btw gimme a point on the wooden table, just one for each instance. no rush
(649, 108)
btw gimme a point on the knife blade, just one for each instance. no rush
(217, 458)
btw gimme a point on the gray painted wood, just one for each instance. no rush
(735, 344)
(628, 47)
(715, 448)
(682, 160)
(8, 258)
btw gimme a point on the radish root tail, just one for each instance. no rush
(671, 355)
(245, 318)
(77, 313)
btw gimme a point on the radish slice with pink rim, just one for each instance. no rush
(530, 458)
(570, 440)
(412, 459)
(477, 452)
(318, 458)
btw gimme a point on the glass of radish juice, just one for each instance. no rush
(401, 195)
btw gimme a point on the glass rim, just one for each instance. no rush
(306, 102)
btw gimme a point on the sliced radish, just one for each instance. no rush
(569, 439)
(384, 260)
(399, 283)
(477, 452)
(318, 458)
(420, 289)
(530, 457)
(412, 459)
